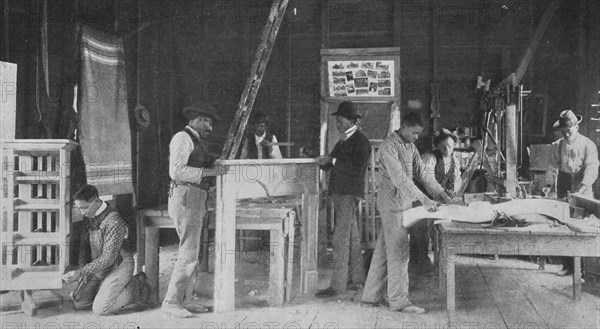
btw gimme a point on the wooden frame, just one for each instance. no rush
(263, 178)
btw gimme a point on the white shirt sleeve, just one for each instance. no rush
(180, 148)
(275, 153)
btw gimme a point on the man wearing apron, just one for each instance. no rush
(105, 276)
(188, 168)
(573, 165)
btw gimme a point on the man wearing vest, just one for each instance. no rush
(348, 165)
(261, 143)
(573, 165)
(446, 169)
(189, 168)
(106, 280)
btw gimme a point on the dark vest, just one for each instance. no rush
(253, 150)
(199, 158)
(445, 179)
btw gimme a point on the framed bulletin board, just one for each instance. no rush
(368, 77)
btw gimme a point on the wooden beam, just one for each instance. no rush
(259, 66)
(537, 37)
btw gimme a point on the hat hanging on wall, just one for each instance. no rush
(142, 117)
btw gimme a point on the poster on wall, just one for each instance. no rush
(361, 78)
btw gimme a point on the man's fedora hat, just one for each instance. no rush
(347, 110)
(567, 120)
(193, 111)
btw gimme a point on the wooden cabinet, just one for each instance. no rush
(36, 213)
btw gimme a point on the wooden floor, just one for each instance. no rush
(504, 293)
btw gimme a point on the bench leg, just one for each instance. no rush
(276, 269)
(577, 278)
(290, 257)
(151, 261)
(450, 289)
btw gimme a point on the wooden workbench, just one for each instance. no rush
(535, 240)
(242, 179)
(251, 215)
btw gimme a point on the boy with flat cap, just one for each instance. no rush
(573, 165)
(348, 164)
(189, 165)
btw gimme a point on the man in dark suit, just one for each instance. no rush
(348, 165)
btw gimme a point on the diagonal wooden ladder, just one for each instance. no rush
(259, 66)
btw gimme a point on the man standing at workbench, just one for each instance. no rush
(573, 165)
(400, 162)
(348, 165)
(189, 165)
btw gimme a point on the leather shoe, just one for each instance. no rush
(329, 292)
(564, 272)
(195, 307)
(382, 303)
(412, 309)
(355, 286)
(176, 311)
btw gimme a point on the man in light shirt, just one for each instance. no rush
(400, 162)
(573, 165)
(189, 168)
(261, 143)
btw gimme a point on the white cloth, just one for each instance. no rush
(101, 209)
(274, 152)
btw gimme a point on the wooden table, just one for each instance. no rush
(277, 216)
(242, 179)
(535, 240)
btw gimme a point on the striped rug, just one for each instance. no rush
(104, 130)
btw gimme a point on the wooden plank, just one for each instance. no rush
(577, 278)
(152, 260)
(311, 275)
(290, 230)
(450, 286)
(224, 289)
(276, 293)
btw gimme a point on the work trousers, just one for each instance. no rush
(187, 207)
(389, 265)
(347, 255)
(109, 295)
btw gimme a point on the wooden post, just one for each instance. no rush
(224, 291)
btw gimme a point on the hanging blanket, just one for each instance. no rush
(105, 134)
